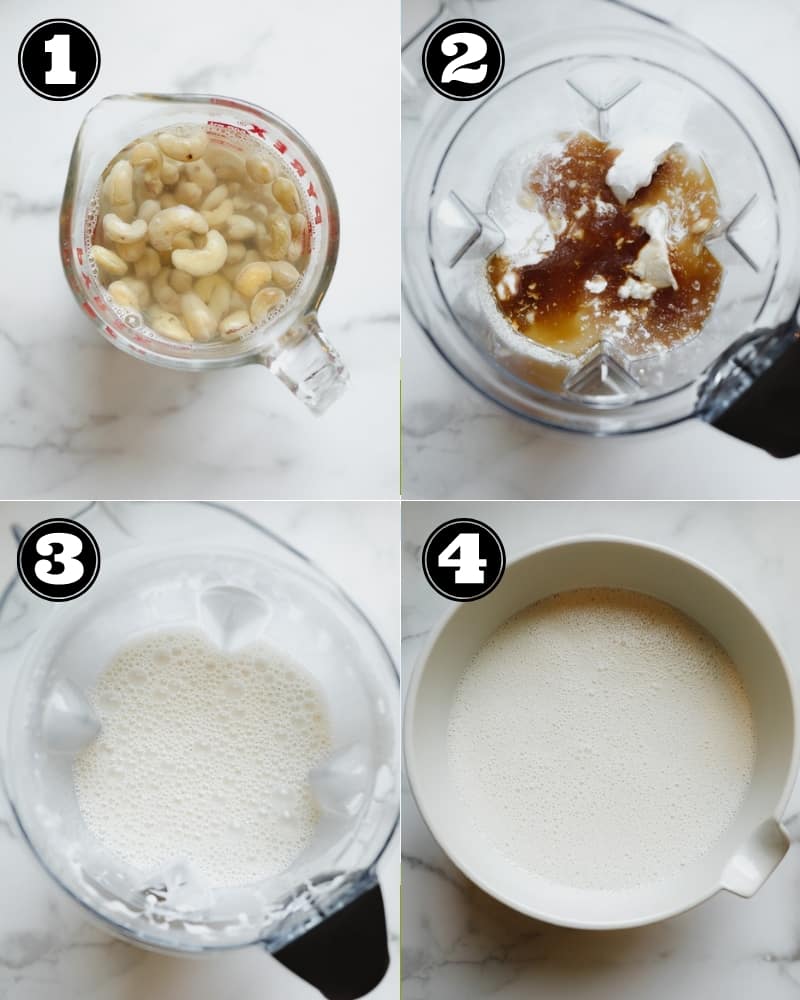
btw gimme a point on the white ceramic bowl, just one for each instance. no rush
(755, 841)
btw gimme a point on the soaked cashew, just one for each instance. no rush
(118, 186)
(168, 325)
(227, 165)
(220, 301)
(148, 156)
(205, 286)
(274, 244)
(108, 261)
(284, 275)
(215, 198)
(126, 293)
(148, 209)
(131, 252)
(168, 200)
(183, 241)
(208, 260)
(285, 193)
(236, 252)
(166, 224)
(148, 265)
(201, 174)
(126, 212)
(170, 171)
(188, 193)
(239, 227)
(259, 170)
(181, 282)
(265, 301)
(123, 232)
(220, 215)
(198, 318)
(164, 293)
(184, 147)
(231, 327)
(252, 277)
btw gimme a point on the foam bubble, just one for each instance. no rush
(194, 759)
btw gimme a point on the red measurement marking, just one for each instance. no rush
(88, 309)
(259, 131)
(280, 146)
(100, 303)
(236, 128)
(299, 168)
(86, 279)
(110, 333)
(318, 215)
(311, 191)
(79, 254)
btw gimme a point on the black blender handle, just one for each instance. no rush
(759, 399)
(347, 954)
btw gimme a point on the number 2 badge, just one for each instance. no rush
(463, 59)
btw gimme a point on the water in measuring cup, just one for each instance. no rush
(203, 756)
(199, 235)
(601, 739)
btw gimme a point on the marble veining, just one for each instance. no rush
(459, 943)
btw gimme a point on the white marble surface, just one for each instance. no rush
(459, 445)
(78, 417)
(458, 942)
(48, 951)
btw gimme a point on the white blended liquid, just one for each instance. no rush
(204, 756)
(601, 739)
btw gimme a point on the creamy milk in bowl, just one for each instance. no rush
(606, 739)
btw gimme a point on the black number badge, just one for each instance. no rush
(58, 559)
(463, 559)
(59, 59)
(463, 59)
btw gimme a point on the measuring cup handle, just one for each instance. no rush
(347, 954)
(307, 364)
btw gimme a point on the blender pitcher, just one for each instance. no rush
(603, 67)
(291, 345)
(323, 916)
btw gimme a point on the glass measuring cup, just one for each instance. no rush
(291, 345)
(322, 917)
(606, 73)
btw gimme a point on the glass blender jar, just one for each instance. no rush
(323, 916)
(605, 68)
(291, 345)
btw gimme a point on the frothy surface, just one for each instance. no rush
(602, 739)
(204, 756)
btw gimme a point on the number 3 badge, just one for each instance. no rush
(463, 59)
(463, 559)
(58, 559)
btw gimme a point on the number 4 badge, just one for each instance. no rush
(463, 559)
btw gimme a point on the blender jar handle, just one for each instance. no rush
(753, 391)
(347, 954)
(307, 364)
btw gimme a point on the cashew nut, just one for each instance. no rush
(259, 170)
(170, 171)
(188, 193)
(236, 252)
(201, 174)
(233, 324)
(164, 293)
(220, 301)
(183, 241)
(274, 243)
(166, 224)
(148, 265)
(240, 227)
(148, 209)
(118, 186)
(285, 193)
(126, 212)
(186, 146)
(199, 319)
(123, 232)
(131, 252)
(284, 275)
(129, 293)
(221, 214)
(227, 165)
(265, 301)
(168, 200)
(168, 324)
(252, 277)
(148, 156)
(181, 282)
(108, 261)
(205, 261)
